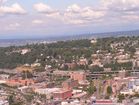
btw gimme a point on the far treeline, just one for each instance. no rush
(61, 52)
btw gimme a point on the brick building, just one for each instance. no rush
(70, 84)
(18, 82)
(79, 76)
(62, 94)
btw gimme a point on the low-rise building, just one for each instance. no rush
(104, 102)
(4, 76)
(46, 91)
(62, 94)
(19, 82)
(70, 84)
(78, 75)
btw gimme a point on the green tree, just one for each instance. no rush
(96, 69)
(91, 89)
(121, 97)
(109, 90)
(10, 100)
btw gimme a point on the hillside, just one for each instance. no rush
(66, 52)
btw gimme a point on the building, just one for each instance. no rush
(103, 102)
(79, 95)
(69, 65)
(47, 91)
(4, 76)
(25, 89)
(74, 102)
(122, 74)
(70, 84)
(35, 65)
(18, 82)
(78, 75)
(4, 102)
(61, 73)
(94, 41)
(62, 94)
(83, 61)
(49, 85)
(107, 69)
(24, 51)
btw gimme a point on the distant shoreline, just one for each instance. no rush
(21, 42)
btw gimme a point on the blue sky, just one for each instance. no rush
(44, 18)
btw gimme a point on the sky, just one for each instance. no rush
(48, 18)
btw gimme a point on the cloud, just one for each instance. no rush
(2, 1)
(106, 10)
(13, 9)
(45, 9)
(80, 15)
(42, 8)
(121, 5)
(74, 8)
(73, 14)
(117, 11)
(37, 21)
(105, 13)
(13, 26)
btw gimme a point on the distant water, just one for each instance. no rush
(15, 42)
(21, 42)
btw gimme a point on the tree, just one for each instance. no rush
(10, 100)
(66, 67)
(121, 97)
(91, 89)
(89, 61)
(96, 69)
(109, 90)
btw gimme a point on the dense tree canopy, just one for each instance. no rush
(65, 52)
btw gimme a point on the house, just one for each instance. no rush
(4, 76)
(24, 51)
(122, 74)
(24, 68)
(97, 62)
(61, 73)
(94, 41)
(35, 65)
(25, 89)
(68, 65)
(83, 61)
(107, 69)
